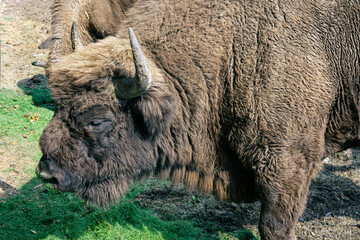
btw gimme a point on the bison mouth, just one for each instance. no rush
(54, 176)
(100, 191)
(52, 181)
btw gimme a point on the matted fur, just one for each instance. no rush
(246, 100)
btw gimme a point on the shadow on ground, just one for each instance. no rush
(336, 189)
(6, 189)
(37, 87)
(329, 192)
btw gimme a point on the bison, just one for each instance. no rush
(95, 19)
(241, 99)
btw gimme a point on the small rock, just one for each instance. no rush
(234, 205)
(331, 214)
(38, 55)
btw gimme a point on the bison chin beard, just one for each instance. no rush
(103, 193)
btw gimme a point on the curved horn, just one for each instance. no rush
(134, 87)
(75, 40)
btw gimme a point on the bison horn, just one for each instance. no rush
(39, 64)
(75, 40)
(134, 87)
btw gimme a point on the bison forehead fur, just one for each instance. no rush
(247, 98)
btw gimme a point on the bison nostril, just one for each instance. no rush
(45, 175)
(50, 172)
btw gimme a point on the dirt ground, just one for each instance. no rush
(24, 25)
(333, 210)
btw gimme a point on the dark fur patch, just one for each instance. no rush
(153, 112)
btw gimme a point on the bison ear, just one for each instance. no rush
(153, 112)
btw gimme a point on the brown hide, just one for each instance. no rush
(247, 98)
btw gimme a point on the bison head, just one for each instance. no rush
(109, 125)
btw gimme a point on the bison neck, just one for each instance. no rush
(200, 155)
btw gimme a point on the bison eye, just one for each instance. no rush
(96, 123)
(99, 125)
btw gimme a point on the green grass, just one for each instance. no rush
(39, 213)
(20, 118)
(36, 212)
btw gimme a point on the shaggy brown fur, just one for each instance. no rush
(247, 99)
(95, 20)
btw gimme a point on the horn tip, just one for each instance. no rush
(39, 64)
(131, 33)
